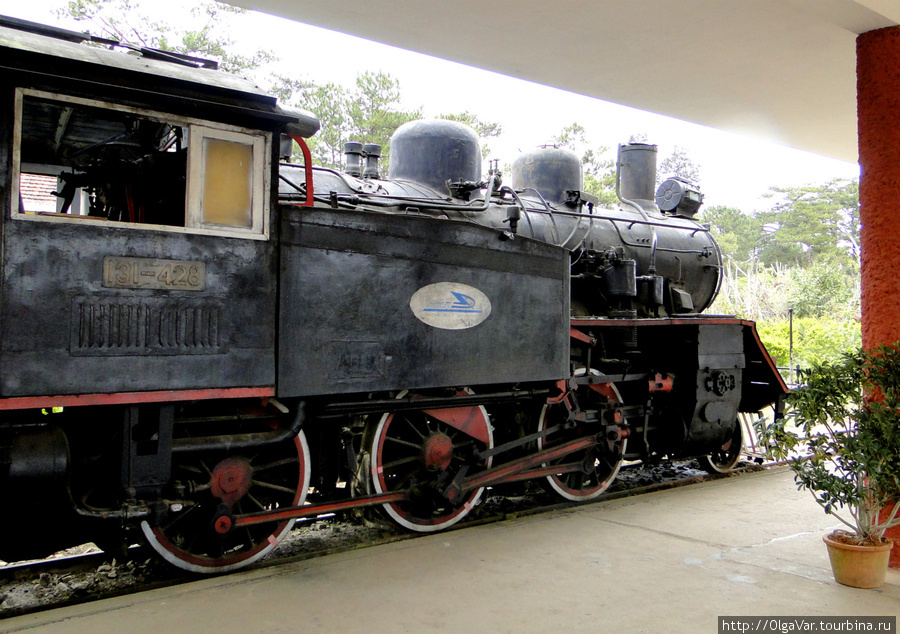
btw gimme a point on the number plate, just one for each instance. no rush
(171, 275)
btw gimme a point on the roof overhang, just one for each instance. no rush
(781, 70)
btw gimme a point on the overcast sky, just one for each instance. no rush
(735, 170)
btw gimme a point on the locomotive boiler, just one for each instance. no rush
(200, 343)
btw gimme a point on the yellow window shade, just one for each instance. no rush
(227, 183)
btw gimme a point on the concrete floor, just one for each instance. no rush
(670, 561)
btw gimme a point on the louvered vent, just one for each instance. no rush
(125, 328)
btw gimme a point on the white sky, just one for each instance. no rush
(735, 170)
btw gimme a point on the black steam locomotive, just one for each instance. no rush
(200, 345)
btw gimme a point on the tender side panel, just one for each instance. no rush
(143, 274)
(92, 309)
(380, 302)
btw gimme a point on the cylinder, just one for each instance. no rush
(372, 152)
(550, 170)
(679, 196)
(353, 152)
(38, 455)
(637, 171)
(620, 278)
(432, 152)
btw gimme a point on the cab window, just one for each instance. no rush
(78, 160)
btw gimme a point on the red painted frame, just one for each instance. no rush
(133, 398)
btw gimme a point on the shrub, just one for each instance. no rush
(846, 427)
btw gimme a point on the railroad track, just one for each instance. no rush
(92, 575)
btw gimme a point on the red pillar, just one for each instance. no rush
(878, 112)
(878, 108)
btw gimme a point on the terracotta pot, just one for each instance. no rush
(891, 533)
(858, 566)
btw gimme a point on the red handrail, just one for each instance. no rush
(307, 168)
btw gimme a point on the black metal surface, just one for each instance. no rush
(147, 448)
(706, 361)
(552, 171)
(36, 49)
(678, 195)
(346, 324)
(34, 457)
(434, 152)
(65, 333)
(34, 470)
(720, 365)
(637, 173)
(687, 259)
(250, 440)
(42, 29)
(684, 253)
(65, 329)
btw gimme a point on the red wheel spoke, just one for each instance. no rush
(401, 461)
(273, 487)
(399, 441)
(413, 427)
(274, 465)
(255, 502)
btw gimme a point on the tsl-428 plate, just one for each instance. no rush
(146, 273)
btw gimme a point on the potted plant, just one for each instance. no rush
(843, 425)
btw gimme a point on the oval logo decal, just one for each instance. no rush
(450, 306)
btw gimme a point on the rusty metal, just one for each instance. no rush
(583, 337)
(230, 480)
(437, 452)
(661, 383)
(544, 471)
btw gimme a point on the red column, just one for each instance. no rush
(878, 107)
(878, 113)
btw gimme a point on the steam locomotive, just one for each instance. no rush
(201, 343)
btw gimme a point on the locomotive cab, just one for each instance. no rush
(138, 262)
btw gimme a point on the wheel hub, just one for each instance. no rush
(231, 480)
(437, 452)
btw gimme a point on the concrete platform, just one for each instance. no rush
(670, 561)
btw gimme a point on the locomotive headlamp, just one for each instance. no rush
(679, 196)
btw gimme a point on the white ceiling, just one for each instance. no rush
(783, 70)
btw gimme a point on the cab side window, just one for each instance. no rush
(225, 183)
(80, 160)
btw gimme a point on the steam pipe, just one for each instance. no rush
(549, 211)
(242, 441)
(512, 192)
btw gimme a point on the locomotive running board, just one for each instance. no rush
(514, 471)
